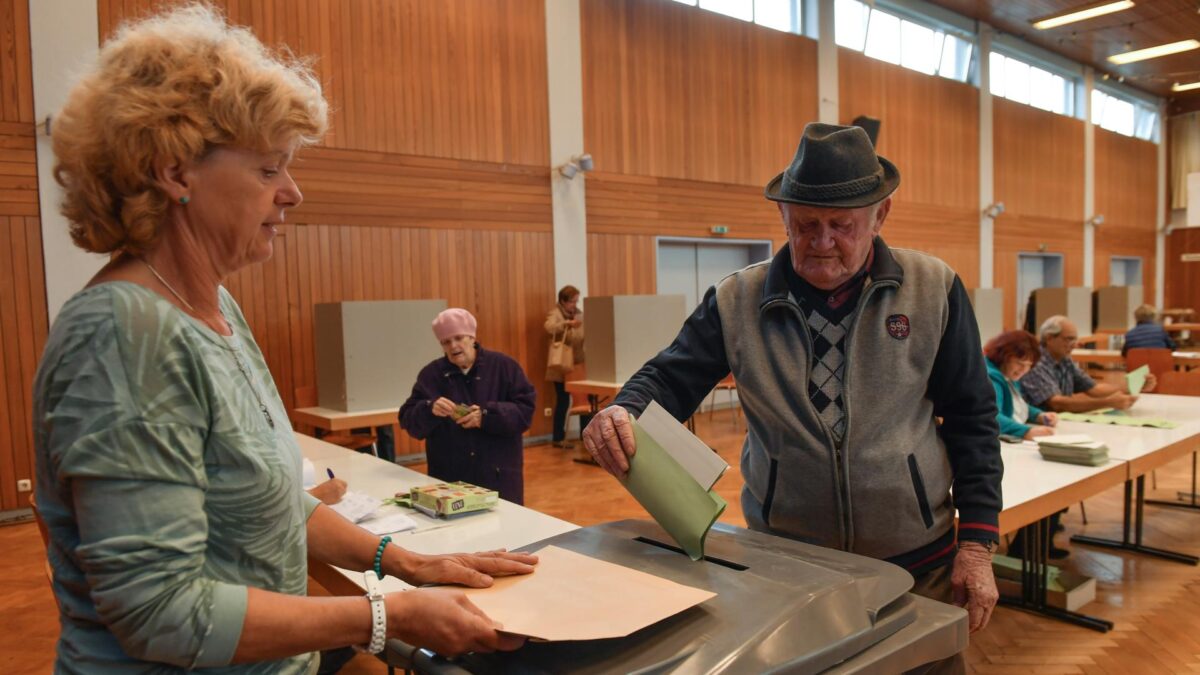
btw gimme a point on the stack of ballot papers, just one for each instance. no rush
(671, 475)
(372, 515)
(1073, 449)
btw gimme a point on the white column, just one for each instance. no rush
(63, 35)
(1161, 214)
(987, 254)
(564, 58)
(1089, 181)
(827, 65)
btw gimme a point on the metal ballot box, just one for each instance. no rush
(781, 606)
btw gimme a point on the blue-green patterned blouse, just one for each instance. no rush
(166, 489)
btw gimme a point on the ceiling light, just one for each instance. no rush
(1154, 52)
(1185, 87)
(1080, 13)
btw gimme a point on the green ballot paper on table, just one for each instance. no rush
(671, 476)
(1136, 379)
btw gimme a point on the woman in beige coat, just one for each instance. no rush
(565, 317)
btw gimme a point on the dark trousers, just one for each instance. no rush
(385, 441)
(935, 585)
(562, 404)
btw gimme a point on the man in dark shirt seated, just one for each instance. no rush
(1147, 333)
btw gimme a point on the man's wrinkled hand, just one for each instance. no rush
(973, 584)
(610, 441)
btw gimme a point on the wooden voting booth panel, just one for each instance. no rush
(370, 352)
(1075, 303)
(625, 331)
(1114, 307)
(988, 304)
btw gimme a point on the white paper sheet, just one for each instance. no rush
(693, 455)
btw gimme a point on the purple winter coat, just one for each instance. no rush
(491, 456)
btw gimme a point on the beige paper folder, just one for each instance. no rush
(570, 596)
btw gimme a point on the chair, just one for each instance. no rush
(357, 442)
(1159, 360)
(728, 384)
(1178, 383)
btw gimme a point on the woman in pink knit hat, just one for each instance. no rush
(471, 407)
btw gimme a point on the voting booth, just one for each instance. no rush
(1075, 303)
(369, 352)
(625, 331)
(781, 605)
(988, 305)
(1114, 307)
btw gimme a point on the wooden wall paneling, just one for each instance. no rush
(672, 92)
(1125, 241)
(463, 79)
(23, 322)
(950, 234)
(1038, 162)
(1126, 181)
(930, 127)
(18, 170)
(621, 264)
(1028, 234)
(645, 205)
(16, 72)
(1182, 278)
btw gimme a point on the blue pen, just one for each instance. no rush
(330, 472)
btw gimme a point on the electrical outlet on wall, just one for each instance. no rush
(547, 412)
(24, 485)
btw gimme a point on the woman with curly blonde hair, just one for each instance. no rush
(167, 470)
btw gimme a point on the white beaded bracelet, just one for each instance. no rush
(378, 613)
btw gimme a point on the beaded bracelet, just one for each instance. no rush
(387, 539)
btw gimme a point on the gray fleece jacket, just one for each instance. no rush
(889, 490)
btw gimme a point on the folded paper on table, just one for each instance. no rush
(570, 596)
(388, 520)
(1119, 420)
(356, 506)
(680, 505)
(1136, 379)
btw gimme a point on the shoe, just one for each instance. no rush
(1057, 553)
(1059, 527)
(565, 445)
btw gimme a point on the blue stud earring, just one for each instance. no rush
(184, 200)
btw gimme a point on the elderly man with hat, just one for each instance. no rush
(847, 353)
(471, 407)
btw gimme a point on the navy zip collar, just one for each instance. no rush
(883, 268)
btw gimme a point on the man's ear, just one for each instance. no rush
(881, 214)
(171, 177)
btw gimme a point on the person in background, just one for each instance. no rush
(1057, 383)
(168, 475)
(1147, 333)
(1009, 356)
(471, 407)
(564, 319)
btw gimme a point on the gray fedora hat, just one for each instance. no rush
(835, 167)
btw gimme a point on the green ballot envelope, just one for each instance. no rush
(461, 411)
(670, 494)
(1136, 379)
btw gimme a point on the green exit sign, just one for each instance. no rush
(719, 229)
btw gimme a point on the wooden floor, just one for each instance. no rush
(1155, 604)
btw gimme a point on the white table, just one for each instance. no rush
(507, 526)
(1144, 449)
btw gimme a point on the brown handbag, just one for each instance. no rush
(562, 354)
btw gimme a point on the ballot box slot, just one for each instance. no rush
(737, 567)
